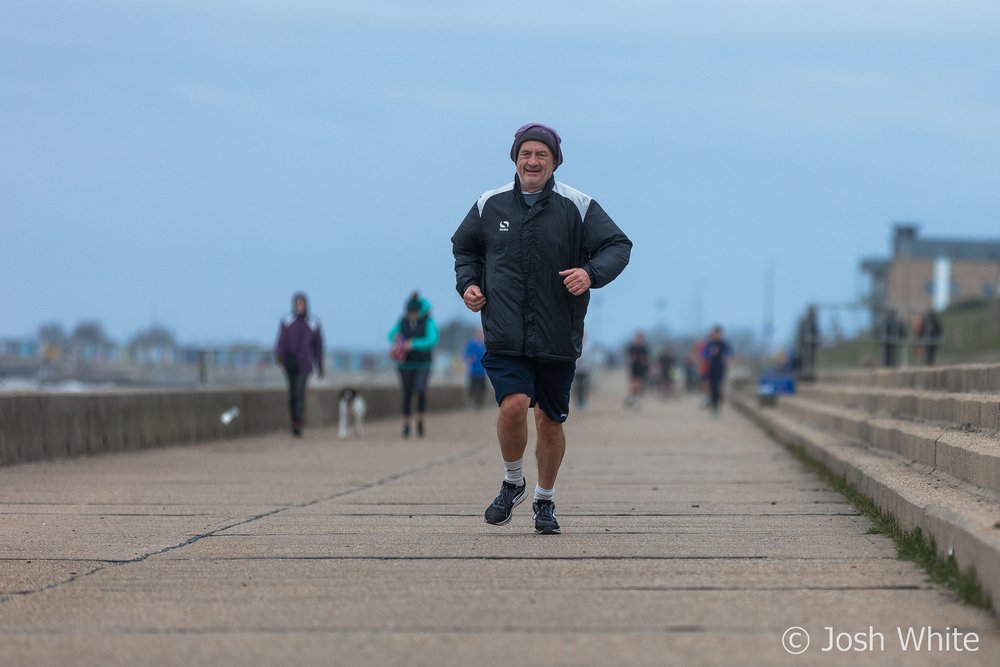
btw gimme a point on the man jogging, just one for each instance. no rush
(526, 256)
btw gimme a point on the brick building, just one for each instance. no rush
(931, 273)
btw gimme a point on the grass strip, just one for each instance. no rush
(911, 545)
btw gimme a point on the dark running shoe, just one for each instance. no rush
(545, 517)
(510, 496)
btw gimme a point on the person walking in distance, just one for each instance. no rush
(637, 354)
(665, 379)
(473, 355)
(930, 335)
(526, 257)
(716, 353)
(698, 354)
(893, 336)
(299, 349)
(415, 334)
(585, 368)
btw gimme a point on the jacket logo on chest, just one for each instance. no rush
(504, 226)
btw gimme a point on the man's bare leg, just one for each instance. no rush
(550, 448)
(512, 426)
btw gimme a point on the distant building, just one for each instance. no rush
(154, 347)
(22, 348)
(931, 273)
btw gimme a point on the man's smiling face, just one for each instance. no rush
(535, 164)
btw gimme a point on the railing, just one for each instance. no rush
(203, 367)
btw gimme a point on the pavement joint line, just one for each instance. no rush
(162, 505)
(485, 557)
(723, 589)
(344, 629)
(105, 514)
(644, 515)
(7, 597)
(578, 533)
(775, 559)
(57, 559)
(899, 587)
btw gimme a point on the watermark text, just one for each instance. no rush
(920, 639)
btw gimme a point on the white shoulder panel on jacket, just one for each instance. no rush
(581, 200)
(486, 195)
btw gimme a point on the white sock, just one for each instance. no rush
(544, 494)
(513, 472)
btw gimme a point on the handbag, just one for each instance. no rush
(398, 350)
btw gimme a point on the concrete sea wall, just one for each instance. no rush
(36, 426)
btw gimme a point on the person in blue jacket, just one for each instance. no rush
(417, 334)
(299, 349)
(473, 355)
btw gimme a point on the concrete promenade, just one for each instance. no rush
(686, 540)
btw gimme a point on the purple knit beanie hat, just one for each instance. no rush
(537, 132)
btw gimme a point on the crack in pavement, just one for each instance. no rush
(7, 597)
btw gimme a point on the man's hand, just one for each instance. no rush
(577, 281)
(474, 299)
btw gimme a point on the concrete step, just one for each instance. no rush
(958, 378)
(967, 456)
(971, 411)
(962, 521)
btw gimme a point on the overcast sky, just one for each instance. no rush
(194, 163)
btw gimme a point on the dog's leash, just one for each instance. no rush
(368, 381)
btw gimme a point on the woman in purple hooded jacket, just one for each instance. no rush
(299, 349)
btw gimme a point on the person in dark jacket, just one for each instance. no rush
(299, 349)
(930, 335)
(417, 334)
(893, 336)
(716, 353)
(637, 356)
(526, 257)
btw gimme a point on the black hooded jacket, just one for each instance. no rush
(514, 253)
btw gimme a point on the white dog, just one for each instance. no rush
(352, 413)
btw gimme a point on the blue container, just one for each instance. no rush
(775, 384)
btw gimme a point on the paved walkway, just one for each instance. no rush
(687, 540)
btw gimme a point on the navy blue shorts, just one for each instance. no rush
(546, 383)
